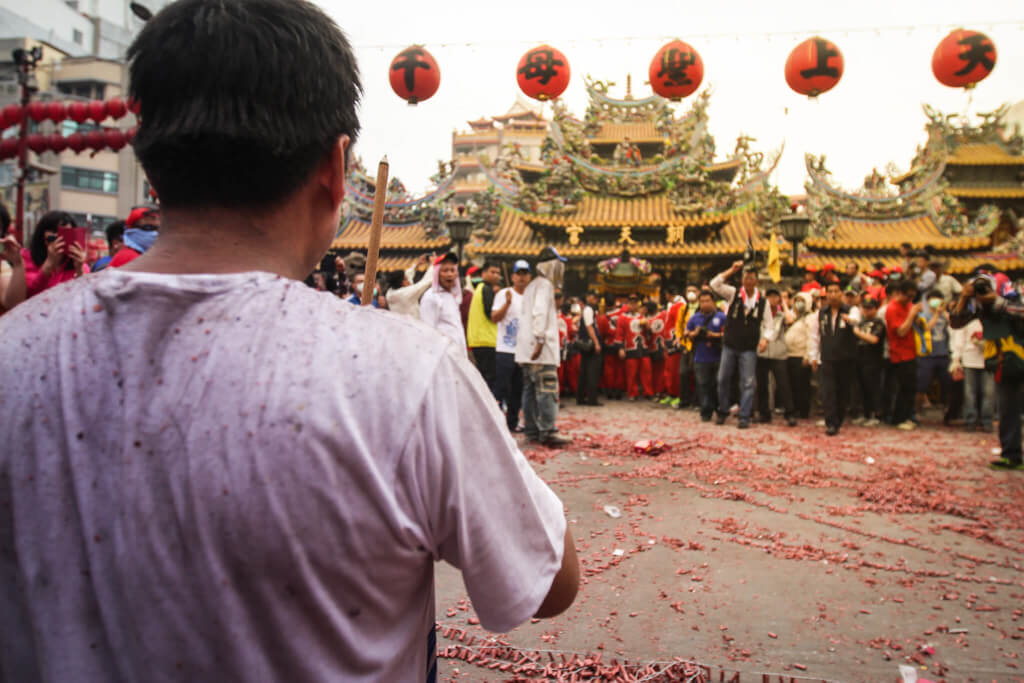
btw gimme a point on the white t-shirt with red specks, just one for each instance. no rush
(237, 478)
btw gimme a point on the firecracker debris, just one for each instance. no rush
(773, 549)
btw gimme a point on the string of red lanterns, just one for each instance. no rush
(79, 112)
(815, 66)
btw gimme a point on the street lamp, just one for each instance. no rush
(460, 227)
(794, 228)
(25, 62)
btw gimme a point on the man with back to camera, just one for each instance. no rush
(226, 509)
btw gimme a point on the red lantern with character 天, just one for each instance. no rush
(414, 74)
(963, 58)
(814, 67)
(543, 73)
(676, 71)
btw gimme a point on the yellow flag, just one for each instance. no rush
(774, 264)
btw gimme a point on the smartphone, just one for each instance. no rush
(73, 236)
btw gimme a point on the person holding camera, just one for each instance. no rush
(704, 330)
(900, 315)
(1002, 325)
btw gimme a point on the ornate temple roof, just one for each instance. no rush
(355, 234)
(617, 211)
(644, 131)
(920, 231)
(983, 154)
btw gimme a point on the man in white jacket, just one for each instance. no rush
(537, 350)
(439, 306)
(403, 295)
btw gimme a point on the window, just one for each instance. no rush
(77, 36)
(88, 179)
(69, 127)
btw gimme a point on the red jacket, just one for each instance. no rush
(37, 281)
(124, 255)
(634, 334)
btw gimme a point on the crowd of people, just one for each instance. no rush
(877, 348)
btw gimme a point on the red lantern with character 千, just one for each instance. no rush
(814, 67)
(676, 71)
(543, 73)
(414, 74)
(963, 58)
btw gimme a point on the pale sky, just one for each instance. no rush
(873, 116)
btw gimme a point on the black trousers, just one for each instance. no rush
(508, 385)
(591, 366)
(836, 380)
(869, 378)
(904, 378)
(783, 395)
(799, 386)
(1009, 420)
(483, 357)
(686, 377)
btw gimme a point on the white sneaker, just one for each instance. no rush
(858, 421)
(871, 423)
(820, 423)
(907, 426)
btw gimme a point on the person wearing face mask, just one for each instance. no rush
(798, 363)
(931, 332)
(141, 229)
(537, 350)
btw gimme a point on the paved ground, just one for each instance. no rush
(773, 549)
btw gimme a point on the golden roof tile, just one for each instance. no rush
(959, 264)
(987, 192)
(983, 154)
(356, 235)
(919, 231)
(644, 131)
(646, 211)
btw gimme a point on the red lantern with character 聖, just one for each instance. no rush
(414, 74)
(543, 73)
(963, 58)
(814, 67)
(676, 71)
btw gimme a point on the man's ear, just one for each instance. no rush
(332, 171)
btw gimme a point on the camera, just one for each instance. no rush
(981, 286)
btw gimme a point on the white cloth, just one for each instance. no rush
(588, 315)
(728, 292)
(508, 327)
(406, 300)
(538, 324)
(237, 478)
(439, 308)
(967, 348)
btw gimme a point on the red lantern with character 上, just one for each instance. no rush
(963, 58)
(814, 67)
(676, 71)
(543, 73)
(414, 74)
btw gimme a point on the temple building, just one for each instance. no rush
(636, 196)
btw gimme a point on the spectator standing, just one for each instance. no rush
(771, 362)
(140, 232)
(900, 314)
(537, 350)
(870, 332)
(47, 262)
(439, 307)
(679, 317)
(506, 314)
(946, 284)
(403, 295)
(931, 330)
(12, 284)
(481, 331)
(800, 320)
(591, 353)
(967, 350)
(748, 329)
(705, 329)
(115, 241)
(833, 348)
(634, 336)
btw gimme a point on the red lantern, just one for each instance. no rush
(116, 108)
(76, 142)
(38, 143)
(94, 139)
(134, 106)
(676, 71)
(414, 74)
(129, 135)
(78, 112)
(963, 58)
(814, 67)
(58, 143)
(37, 110)
(11, 115)
(56, 111)
(8, 148)
(97, 110)
(114, 138)
(543, 73)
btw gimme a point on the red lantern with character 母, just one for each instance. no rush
(814, 67)
(543, 73)
(414, 74)
(963, 58)
(676, 71)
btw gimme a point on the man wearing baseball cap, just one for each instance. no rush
(537, 350)
(141, 229)
(508, 376)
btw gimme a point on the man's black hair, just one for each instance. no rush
(490, 264)
(705, 292)
(906, 245)
(868, 302)
(651, 306)
(240, 99)
(450, 257)
(50, 221)
(833, 283)
(936, 294)
(773, 291)
(115, 233)
(566, 308)
(395, 279)
(907, 287)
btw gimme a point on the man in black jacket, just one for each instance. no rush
(833, 347)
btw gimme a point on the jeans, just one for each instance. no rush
(591, 365)
(706, 377)
(746, 363)
(869, 376)
(979, 386)
(904, 376)
(933, 367)
(484, 358)
(783, 395)
(540, 400)
(800, 386)
(686, 376)
(1009, 420)
(836, 380)
(508, 387)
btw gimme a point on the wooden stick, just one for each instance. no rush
(380, 195)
